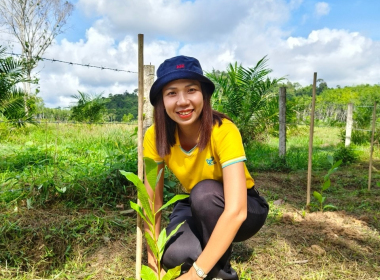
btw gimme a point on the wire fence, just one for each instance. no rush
(76, 63)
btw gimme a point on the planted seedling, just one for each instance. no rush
(148, 214)
(320, 196)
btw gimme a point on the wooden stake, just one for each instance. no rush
(282, 120)
(349, 123)
(371, 151)
(311, 135)
(140, 174)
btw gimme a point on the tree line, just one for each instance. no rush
(247, 94)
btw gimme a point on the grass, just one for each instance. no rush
(77, 164)
(264, 156)
(64, 219)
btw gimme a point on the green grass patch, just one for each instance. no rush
(77, 164)
(264, 156)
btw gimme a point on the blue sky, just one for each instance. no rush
(353, 15)
(337, 39)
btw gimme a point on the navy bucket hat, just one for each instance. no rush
(175, 68)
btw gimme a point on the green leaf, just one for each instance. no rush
(139, 210)
(172, 273)
(152, 245)
(173, 200)
(174, 231)
(326, 184)
(159, 175)
(141, 193)
(336, 165)
(170, 184)
(318, 196)
(147, 273)
(161, 243)
(163, 239)
(151, 172)
(329, 206)
(330, 159)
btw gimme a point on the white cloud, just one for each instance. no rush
(322, 9)
(217, 34)
(338, 56)
(201, 20)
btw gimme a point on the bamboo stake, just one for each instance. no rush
(311, 142)
(371, 151)
(140, 148)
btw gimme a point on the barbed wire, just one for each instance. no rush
(77, 64)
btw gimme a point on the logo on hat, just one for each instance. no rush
(179, 66)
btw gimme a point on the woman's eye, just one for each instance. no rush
(171, 93)
(192, 89)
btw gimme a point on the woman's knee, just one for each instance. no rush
(207, 193)
(181, 253)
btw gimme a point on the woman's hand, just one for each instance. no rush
(190, 275)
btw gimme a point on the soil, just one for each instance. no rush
(294, 244)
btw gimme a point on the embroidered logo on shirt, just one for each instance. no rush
(210, 161)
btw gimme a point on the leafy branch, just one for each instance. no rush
(148, 214)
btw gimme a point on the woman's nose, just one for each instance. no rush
(182, 99)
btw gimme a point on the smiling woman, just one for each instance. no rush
(204, 150)
(183, 102)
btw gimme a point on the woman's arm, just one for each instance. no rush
(158, 202)
(234, 214)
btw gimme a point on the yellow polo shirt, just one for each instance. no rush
(190, 167)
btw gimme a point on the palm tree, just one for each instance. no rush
(246, 96)
(89, 108)
(12, 98)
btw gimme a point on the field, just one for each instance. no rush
(63, 207)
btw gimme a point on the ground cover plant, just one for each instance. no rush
(86, 231)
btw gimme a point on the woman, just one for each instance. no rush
(204, 150)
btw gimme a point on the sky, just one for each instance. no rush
(338, 39)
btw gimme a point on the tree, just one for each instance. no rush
(12, 103)
(89, 108)
(245, 95)
(127, 118)
(34, 23)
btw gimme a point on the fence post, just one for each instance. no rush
(371, 151)
(311, 135)
(148, 108)
(282, 125)
(349, 123)
(140, 169)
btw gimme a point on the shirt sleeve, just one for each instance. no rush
(149, 145)
(229, 145)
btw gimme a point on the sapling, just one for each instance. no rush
(326, 185)
(148, 214)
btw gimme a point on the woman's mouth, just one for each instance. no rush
(185, 114)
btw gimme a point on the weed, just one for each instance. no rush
(347, 154)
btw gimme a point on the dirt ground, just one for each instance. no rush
(293, 244)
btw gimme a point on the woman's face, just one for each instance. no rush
(183, 101)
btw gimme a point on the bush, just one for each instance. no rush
(346, 154)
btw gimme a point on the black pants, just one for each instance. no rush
(201, 212)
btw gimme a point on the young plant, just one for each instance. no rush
(326, 185)
(148, 214)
